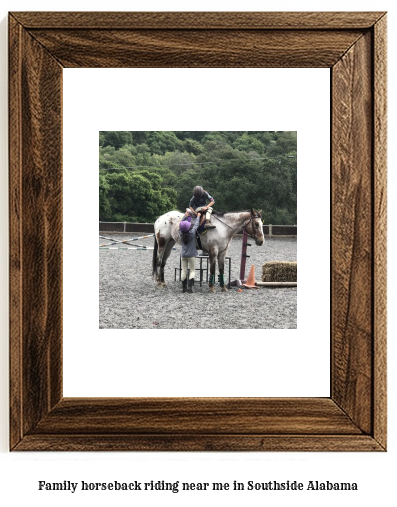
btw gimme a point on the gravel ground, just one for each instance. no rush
(129, 299)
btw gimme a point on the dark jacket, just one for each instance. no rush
(190, 250)
(202, 201)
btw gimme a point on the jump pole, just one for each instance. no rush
(128, 241)
(126, 248)
(276, 284)
(115, 241)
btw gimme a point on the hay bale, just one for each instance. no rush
(279, 271)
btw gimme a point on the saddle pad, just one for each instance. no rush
(202, 232)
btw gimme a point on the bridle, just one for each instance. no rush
(251, 219)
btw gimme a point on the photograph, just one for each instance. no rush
(174, 366)
(198, 229)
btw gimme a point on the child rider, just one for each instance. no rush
(198, 203)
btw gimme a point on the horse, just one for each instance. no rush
(215, 241)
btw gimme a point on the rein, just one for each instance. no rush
(222, 222)
(244, 228)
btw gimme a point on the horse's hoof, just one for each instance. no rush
(212, 289)
(159, 285)
(224, 288)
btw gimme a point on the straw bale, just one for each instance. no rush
(279, 271)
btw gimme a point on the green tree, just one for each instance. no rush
(133, 197)
(241, 169)
(162, 141)
(117, 139)
(179, 162)
(186, 182)
(249, 143)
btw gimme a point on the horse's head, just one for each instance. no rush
(255, 227)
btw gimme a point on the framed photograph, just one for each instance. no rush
(353, 46)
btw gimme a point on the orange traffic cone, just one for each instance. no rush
(251, 279)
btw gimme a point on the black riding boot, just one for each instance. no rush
(191, 283)
(184, 285)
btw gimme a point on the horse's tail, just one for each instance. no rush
(154, 265)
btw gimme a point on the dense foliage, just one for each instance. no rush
(145, 174)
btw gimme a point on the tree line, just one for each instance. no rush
(143, 174)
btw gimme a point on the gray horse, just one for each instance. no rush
(215, 241)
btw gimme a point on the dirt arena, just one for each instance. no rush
(129, 299)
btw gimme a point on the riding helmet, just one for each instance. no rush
(184, 226)
(198, 192)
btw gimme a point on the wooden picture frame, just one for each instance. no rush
(353, 46)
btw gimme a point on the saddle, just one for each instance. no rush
(201, 230)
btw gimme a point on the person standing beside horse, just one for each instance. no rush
(187, 233)
(198, 203)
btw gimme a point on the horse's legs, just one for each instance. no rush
(166, 254)
(213, 253)
(160, 263)
(157, 263)
(221, 265)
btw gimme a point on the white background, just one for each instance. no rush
(20, 473)
(269, 362)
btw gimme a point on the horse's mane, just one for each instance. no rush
(222, 213)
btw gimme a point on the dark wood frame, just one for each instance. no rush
(353, 46)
